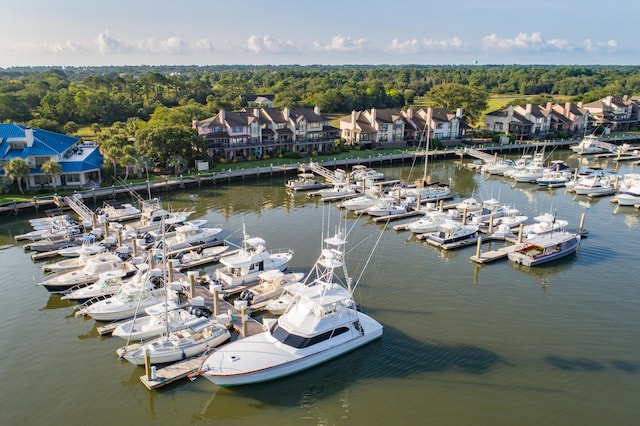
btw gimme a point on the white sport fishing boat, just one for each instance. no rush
(252, 259)
(321, 323)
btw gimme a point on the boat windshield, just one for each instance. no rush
(295, 341)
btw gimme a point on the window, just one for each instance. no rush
(383, 128)
(300, 342)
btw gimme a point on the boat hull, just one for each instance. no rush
(297, 364)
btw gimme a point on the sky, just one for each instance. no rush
(327, 32)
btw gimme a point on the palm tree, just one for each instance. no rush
(127, 159)
(53, 169)
(142, 164)
(17, 169)
(177, 162)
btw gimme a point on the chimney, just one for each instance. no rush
(28, 135)
(373, 115)
(353, 119)
(459, 112)
(409, 113)
(567, 109)
(222, 116)
(316, 110)
(580, 104)
(285, 112)
(625, 98)
(549, 106)
(528, 108)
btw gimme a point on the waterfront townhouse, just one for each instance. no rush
(532, 121)
(80, 162)
(613, 112)
(392, 128)
(256, 132)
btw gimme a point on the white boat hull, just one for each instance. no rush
(284, 363)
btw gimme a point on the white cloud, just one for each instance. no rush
(416, 45)
(341, 43)
(600, 46)
(66, 48)
(533, 42)
(172, 46)
(268, 44)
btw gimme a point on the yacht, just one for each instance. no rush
(320, 323)
(252, 259)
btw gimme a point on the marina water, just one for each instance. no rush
(463, 344)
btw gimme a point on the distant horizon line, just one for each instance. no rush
(321, 65)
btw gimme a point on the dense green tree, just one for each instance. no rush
(162, 142)
(453, 96)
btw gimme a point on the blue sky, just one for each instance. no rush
(333, 32)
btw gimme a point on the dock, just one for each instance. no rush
(182, 369)
(171, 373)
(501, 253)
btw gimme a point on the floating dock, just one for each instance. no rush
(176, 371)
(501, 253)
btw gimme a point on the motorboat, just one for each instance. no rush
(199, 257)
(88, 274)
(305, 182)
(153, 216)
(361, 173)
(590, 144)
(453, 234)
(49, 221)
(520, 163)
(546, 248)
(107, 284)
(469, 205)
(56, 229)
(188, 237)
(499, 167)
(271, 286)
(252, 259)
(429, 222)
(544, 224)
(595, 185)
(511, 218)
(55, 243)
(90, 245)
(158, 319)
(132, 297)
(338, 189)
(558, 174)
(529, 174)
(73, 263)
(369, 198)
(114, 211)
(426, 191)
(389, 206)
(178, 344)
(322, 322)
(629, 190)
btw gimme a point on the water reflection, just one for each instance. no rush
(396, 355)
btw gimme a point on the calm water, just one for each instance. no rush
(462, 345)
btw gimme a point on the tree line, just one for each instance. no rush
(141, 115)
